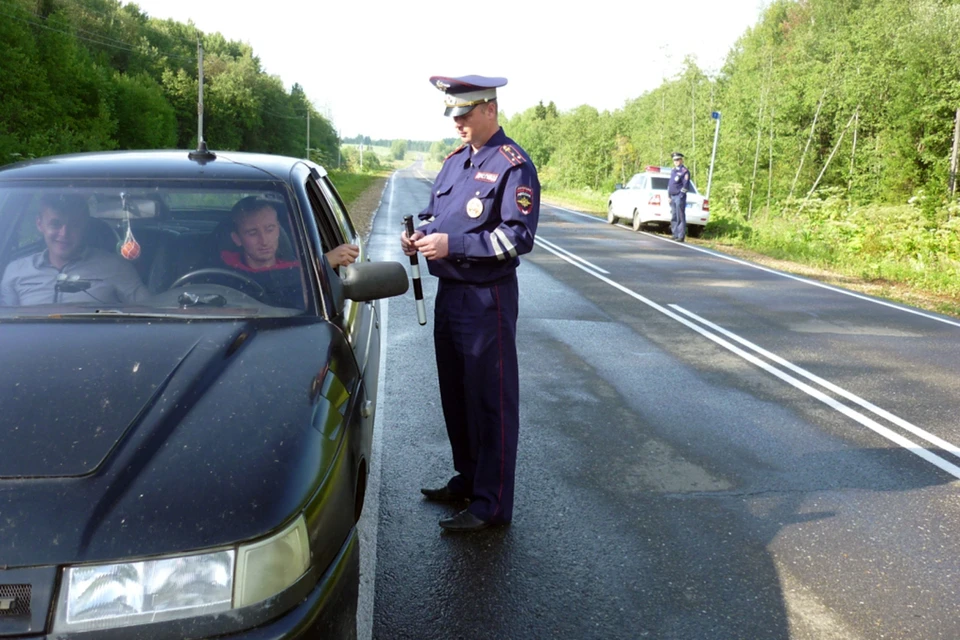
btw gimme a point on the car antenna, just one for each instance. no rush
(202, 154)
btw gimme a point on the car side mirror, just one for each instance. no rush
(617, 187)
(363, 281)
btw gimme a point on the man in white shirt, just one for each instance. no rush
(69, 270)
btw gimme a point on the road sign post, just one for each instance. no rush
(716, 133)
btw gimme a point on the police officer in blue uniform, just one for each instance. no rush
(677, 190)
(482, 216)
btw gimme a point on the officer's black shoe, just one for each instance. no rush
(464, 521)
(444, 494)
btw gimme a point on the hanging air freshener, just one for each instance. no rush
(129, 248)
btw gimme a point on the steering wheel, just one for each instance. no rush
(258, 290)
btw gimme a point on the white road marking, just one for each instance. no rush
(828, 287)
(549, 246)
(883, 413)
(579, 213)
(907, 444)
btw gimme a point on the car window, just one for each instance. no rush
(331, 235)
(177, 249)
(635, 182)
(661, 184)
(339, 210)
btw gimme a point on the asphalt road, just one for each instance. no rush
(708, 449)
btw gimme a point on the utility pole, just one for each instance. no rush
(663, 110)
(953, 155)
(716, 134)
(693, 125)
(308, 132)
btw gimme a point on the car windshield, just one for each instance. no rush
(187, 248)
(661, 184)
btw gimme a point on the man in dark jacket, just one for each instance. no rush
(677, 190)
(482, 215)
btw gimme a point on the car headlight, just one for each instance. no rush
(133, 593)
(266, 568)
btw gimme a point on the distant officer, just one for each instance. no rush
(482, 215)
(679, 183)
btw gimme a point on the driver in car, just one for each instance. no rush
(256, 233)
(69, 270)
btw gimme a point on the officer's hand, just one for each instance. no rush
(407, 244)
(434, 246)
(343, 255)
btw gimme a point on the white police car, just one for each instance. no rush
(645, 203)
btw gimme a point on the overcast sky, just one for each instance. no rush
(366, 64)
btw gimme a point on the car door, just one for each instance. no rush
(620, 200)
(359, 320)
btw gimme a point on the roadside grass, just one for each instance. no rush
(585, 200)
(898, 252)
(351, 185)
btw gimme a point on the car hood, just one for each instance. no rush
(135, 438)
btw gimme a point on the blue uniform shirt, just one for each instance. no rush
(679, 180)
(488, 203)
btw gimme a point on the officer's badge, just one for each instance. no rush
(524, 200)
(484, 176)
(474, 207)
(443, 86)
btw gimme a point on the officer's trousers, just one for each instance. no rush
(475, 329)
(678, 216)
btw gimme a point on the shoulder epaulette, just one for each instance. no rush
(454, 152)
(513, 156)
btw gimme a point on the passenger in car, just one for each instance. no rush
(69, 269)
(256, 233)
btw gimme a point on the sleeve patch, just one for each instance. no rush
(512, 155)
(524, 200)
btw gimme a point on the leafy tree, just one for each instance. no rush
(145, 120)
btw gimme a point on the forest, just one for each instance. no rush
(93, 75)
(838, 123)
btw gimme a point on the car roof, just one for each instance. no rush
(169, 165)
(654, 171)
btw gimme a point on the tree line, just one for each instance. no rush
(90, 75)
(409, 145)
(820, 97)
